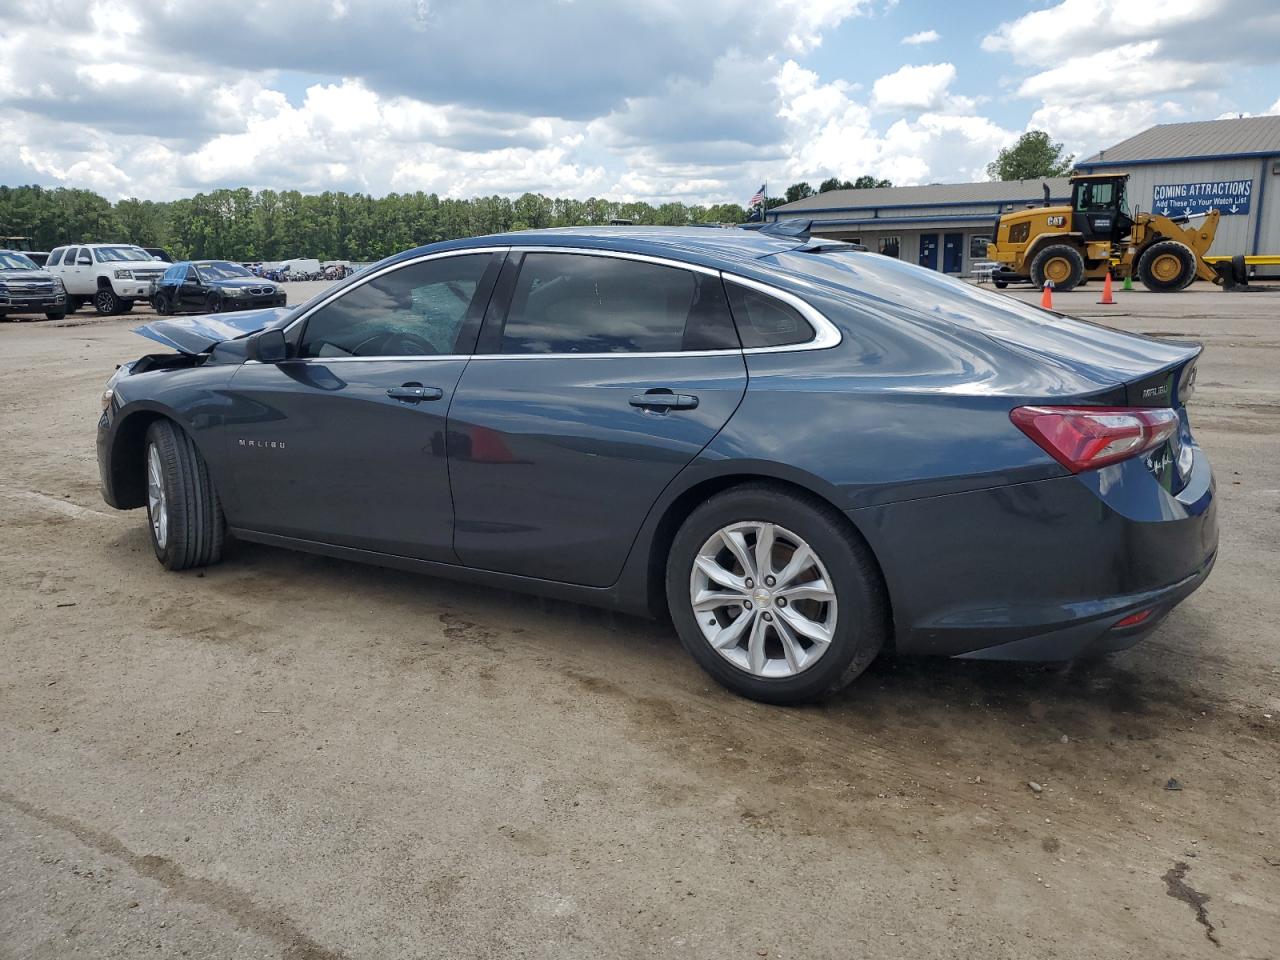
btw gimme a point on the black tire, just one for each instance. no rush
(160, 305)
(213, 303)
(861, 623)
(55, 315)
(1239, 269)
(126, 306)
(106, 302)
(1059, 262)
(1000, 284)
(73, 304)
(196, 530)
(1166, 266)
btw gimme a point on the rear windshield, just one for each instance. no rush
(108, 254)
(889, 279)
(15, 261)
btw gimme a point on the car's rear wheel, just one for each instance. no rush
(773, 596)
(183, 511)
(213, 304)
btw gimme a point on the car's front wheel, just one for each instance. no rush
(106, 302)
(774, 596)
(183, 511)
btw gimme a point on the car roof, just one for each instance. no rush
(710, 246)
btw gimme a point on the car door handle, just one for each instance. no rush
(414, 392)
(664, 401)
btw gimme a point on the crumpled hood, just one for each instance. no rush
(199, 334)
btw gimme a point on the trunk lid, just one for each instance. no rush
(200, 334)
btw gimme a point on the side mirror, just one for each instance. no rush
(268, 347)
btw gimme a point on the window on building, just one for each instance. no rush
(889, 246)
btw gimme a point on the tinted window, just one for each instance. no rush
(765, 321)
(83, 258)
(418, 310)
(570, 303)
(55, 257)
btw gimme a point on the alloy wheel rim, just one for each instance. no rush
(103, 301)
(763, 599)
(157, 502)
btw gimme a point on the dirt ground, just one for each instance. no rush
(296, 757)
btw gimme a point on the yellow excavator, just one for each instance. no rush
(1096, 232)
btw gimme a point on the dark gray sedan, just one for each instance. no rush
(799, 452)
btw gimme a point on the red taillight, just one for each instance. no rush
(1085, 438)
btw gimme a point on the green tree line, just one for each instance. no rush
(250, 225)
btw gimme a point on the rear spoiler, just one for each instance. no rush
(800, 230)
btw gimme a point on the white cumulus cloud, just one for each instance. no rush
(924, 36)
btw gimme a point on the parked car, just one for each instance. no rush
(25, 288)
(160, 253)
(111, 276)
(799, 452)
(212, 286)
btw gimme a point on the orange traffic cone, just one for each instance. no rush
(1106, 291)
(1046, 299)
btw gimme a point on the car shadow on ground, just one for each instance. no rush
(1130, 688)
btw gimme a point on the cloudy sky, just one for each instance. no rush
(693, 100)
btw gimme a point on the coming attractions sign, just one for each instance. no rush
(1228, 197)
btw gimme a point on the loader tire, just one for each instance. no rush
(1167, 266)
(1060, 263)
(1240, 269)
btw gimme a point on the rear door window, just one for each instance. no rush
(54, 257)
(418, 310)
(566, 303)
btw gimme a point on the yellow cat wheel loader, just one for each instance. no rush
(1095, 232)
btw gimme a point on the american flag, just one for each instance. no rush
(757, 199)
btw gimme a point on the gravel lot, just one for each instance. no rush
(296, 757)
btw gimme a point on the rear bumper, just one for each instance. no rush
(1095, 634)
(1043, 570)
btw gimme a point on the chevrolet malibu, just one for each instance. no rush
(799, 452)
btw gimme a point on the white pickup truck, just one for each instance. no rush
(111, 276)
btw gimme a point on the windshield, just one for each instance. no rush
(107, 254)
(15, 261)
(221, 270)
